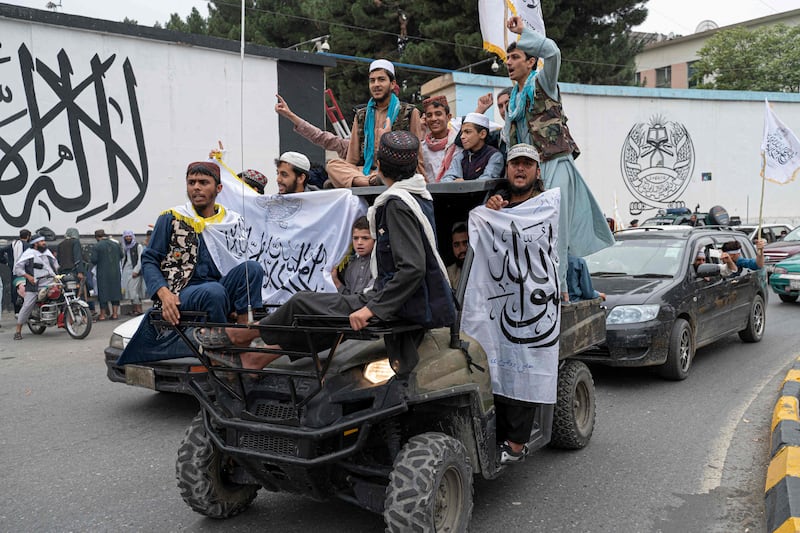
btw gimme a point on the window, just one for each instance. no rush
(690, 82)
(664, 77)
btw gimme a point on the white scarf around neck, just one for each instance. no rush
(403, 190)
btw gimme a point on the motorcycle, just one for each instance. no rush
(58, 305)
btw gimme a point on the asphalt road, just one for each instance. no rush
(78, 453)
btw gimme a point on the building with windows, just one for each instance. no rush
(666, 61)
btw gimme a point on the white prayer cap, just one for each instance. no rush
(296, 159)
(478, 119)
(37, 239)
(523, 150)
(382, 63)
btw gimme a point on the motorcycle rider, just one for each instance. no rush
(36, 264)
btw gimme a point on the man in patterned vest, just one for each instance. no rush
(535, 116)
(180, 272)
(384, 112)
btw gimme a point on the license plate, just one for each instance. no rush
(794, 284)
(140, 376)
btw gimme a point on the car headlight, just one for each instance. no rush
(779, 270)
(378, 371)
(117, 342)
(631, 314)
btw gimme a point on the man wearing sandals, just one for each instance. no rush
(180, 272)
(410, 282)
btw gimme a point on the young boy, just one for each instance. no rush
(357, 275)
(478, 160)
(438, 147)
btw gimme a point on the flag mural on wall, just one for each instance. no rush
(512, 299)
(493, 15)
(780, 150)
(297, 238)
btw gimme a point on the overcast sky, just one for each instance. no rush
(676, 16)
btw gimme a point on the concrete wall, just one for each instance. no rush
(98, 120)
(694, 131)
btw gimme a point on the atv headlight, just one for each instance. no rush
(631, 314)
(117, 342)
(378, 371)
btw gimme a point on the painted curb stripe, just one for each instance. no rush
(787, 408)
(787, 433)
(792, 525)
(785, 463)
(782, 504)
(793, 375)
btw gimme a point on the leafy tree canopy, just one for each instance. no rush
(766, 58)
(593, 36)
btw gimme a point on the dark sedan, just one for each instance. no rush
(661, 309)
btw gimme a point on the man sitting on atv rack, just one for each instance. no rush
(180, 271)
(410, 281)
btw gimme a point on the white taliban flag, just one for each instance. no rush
(512, 301)
(780, 150)
(493, 15)
(297, 238)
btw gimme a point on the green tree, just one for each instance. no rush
(194, 23)
(593, 36)
(762, 59)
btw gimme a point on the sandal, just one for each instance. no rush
(17, 336)
(213, 339)
(114, 317)
(230, 360)
(102, 318)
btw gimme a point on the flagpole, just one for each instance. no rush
(505, 29)
(763, 182)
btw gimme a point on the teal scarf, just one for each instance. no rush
(518, 103)
(369, 129)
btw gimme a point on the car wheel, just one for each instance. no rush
(756, 322)
(573, 419)
(430, 487)
(681, 351)
(201, 470)
(788, 298)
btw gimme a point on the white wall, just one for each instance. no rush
(726, 137)
(188, 98)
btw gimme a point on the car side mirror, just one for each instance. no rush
(708, 270)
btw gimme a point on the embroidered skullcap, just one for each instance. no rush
(254, 178)
(382, 63)
(523, 150)
(398, 148)
(700, 255)
(40, 238)
(296, 159)
(478, 119)
(440, 99)
(212, 168)
(459, 227)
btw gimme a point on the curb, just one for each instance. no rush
(782, 488)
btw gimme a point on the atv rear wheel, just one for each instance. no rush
(202, 477)
(430, 487)
(573, 419)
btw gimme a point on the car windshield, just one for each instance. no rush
(638, 257)
(793, 235)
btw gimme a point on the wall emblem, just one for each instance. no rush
(656, 162)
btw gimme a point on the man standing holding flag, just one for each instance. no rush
(535, 116)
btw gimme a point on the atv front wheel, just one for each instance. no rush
(430, 487)
(202, 476)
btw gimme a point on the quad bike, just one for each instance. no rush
(392, 418)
